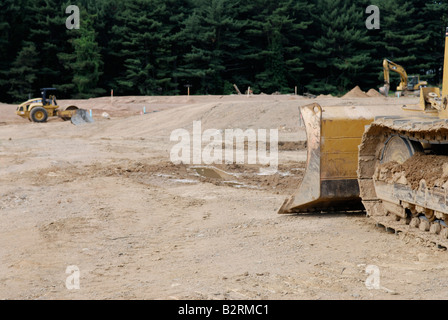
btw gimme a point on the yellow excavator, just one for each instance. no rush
(408, 84)
(388, 160)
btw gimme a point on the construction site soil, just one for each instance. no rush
(106, 199)
(433, 169)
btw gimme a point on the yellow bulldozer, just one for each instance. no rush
(40, 109)
(409, 84)
(388, 160)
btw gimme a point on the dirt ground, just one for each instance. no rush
(105, 198)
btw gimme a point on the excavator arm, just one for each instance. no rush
(407, 83)
(389, 65)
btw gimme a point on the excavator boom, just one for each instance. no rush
(389, 65)
(407, 83)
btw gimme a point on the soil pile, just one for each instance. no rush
(431, 168)
(356, 92)
(373, 93)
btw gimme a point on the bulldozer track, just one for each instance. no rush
(420, 213)
(401, 226)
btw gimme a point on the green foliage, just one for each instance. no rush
(46, 30)
(340, 51)
(11, 38)
(157, 47)
(210, 35)
(84, 61)
(22, 74)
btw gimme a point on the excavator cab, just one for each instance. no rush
(412, 82)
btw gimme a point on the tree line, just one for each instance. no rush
(159, 47)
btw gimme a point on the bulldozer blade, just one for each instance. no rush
(333, 136)
(81, 116)
(426, 95)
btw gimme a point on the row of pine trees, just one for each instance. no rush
(158, 47)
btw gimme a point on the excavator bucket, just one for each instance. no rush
(384, 90)
(333, 136)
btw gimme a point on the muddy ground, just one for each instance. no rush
(106, 199)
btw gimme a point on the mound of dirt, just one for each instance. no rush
(356, 92)
(431, 168)
(373, 93)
